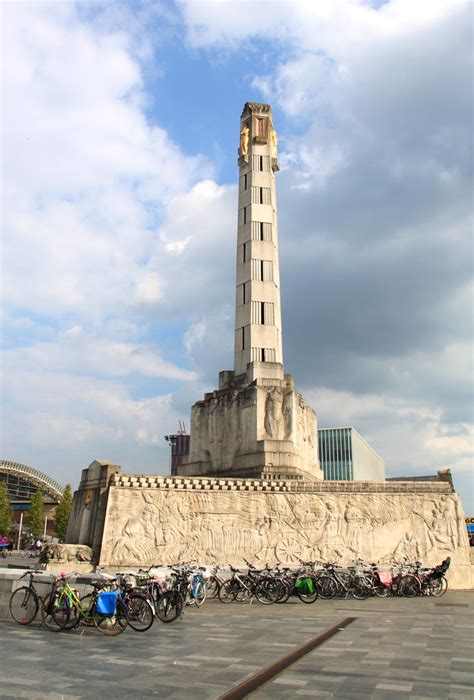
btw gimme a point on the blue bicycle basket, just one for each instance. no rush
(107, 602)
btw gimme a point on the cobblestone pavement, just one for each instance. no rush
(397, 648)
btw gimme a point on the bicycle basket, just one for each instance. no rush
(107, 602)
(305, 584)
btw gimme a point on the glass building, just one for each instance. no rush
(346, 456)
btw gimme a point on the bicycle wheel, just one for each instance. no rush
(305, 594)
(199, 594)
(169, 606)
(56, 611)
(112, 625)
(409, 586)
(360, 588)
(327, 587)
(24, 605)
(438, 586)
(140, 615)
(381, 591)
(85, 614)
(280, 589)
(343, 584)
(213, 586)
(227, 591)
(395, 587)
(243, 589)
(285, 592)
(266, 591)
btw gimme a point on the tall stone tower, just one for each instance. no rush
(258, 309)
(256, 424)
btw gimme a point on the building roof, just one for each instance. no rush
(353, 430)
(39, 479)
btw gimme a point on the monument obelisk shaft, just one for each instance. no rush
(256, 424)
(258, 337)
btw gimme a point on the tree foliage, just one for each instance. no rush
(35, 515)
(63, 511)
(5, 510)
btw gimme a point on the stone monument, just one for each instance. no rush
(252, 488)
(256, 425)
(153, 519)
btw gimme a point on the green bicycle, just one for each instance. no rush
(63, 609)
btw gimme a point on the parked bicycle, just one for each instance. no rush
(256, 583)
(335, 582)
(104, 608)
(25, 602)
(167, 601)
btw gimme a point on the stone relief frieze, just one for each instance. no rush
(151, 526)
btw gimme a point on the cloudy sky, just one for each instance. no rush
(120, 130)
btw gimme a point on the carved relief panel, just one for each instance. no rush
(146, 526)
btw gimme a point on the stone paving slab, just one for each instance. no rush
(412, 649)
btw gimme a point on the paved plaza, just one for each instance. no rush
(396, 648)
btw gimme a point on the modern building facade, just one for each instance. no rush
(346, 456)
(22, 483)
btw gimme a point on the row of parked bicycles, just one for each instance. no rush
(115, 603)
(137, 600)
(313, 580)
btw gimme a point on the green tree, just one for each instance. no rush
(63, 511)
(35, 515)
(5, 510)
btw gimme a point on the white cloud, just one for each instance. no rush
(194, 335)
(78, 352)
(342, 26)
(60, 421)
(83, 166)
(87, 182)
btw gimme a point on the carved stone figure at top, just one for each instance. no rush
(274, 144)
(244, 141)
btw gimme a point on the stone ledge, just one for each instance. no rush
(226, 484)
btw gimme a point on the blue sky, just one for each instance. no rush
(120, 130)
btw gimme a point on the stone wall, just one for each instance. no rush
(89, 506)
(160, 520)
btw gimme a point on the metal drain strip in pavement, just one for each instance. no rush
(250, 685)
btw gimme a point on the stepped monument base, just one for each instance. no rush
(253, 427)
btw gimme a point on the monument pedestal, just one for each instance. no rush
(256, 425)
